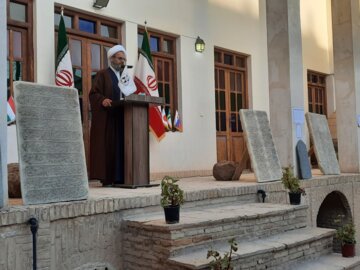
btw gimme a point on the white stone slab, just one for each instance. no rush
(260, 144)
(323, 144)
(50, 144)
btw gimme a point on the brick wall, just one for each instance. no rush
(85, 234)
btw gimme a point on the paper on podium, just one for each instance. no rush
(126, 83)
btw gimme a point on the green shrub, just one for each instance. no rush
(222, 262)
(346, 234)
(171, 193)
(291, 182)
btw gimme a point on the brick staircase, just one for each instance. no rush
(269, 236)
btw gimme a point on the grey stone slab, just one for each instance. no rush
(50, 144)
(323, 144)
(260, 144)
(303, 160)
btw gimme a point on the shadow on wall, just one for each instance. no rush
(334, 212)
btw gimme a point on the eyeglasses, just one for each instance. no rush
(120, 58)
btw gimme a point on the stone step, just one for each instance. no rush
(203, 225)
(330, 262)
(276, 252)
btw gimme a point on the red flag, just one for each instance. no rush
(145, 82)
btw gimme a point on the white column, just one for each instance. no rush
(3, 104)
(44, 42)
(130, 42)
(346, 41)
(285, 75)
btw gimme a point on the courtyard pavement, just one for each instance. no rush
(96, 191)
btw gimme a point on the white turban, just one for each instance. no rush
(114, 50)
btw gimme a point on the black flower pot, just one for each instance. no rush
(172, 214)
(295, 198)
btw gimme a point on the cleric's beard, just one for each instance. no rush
(116, 67)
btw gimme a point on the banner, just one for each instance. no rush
(64, 74)
(164, 119)
(169, 120)
(177, 122)
(146, 83)
(10, 110)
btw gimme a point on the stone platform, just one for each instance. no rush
(89, 234)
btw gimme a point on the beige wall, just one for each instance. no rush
(240, 25)
(318, 51)
(317, 45)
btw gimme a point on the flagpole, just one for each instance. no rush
(62, 11)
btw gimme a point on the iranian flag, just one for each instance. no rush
(64, 75)
(10, 110)
(146, 83)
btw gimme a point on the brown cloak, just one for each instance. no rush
(105, 133)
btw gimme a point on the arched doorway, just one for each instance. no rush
(333, 213)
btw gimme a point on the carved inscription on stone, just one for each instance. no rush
(50, 143)
(259, 142)
(323, 144)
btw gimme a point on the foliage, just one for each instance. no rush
(291, 182)
(222, 262)
(171, 193)
(346, 234)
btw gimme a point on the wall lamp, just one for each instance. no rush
(199, 45)
(100, 3)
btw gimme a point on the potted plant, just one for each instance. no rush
(292, 183)
(346, 234)
(222, 262)
(172, 196)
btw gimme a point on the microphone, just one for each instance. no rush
(128, 66)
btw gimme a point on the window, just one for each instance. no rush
(87, 25)
(19, 40)
(316, 92)
(230, 89)
(163, 52)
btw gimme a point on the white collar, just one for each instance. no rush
(115, 71)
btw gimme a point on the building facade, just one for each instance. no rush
(274, 56)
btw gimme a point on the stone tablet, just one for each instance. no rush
(260, 145)
(50, 144)
(303, 160)
(323, 144)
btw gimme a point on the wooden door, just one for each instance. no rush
(230, 97)
(88, 56)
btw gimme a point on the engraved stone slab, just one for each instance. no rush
(260, 145)
(323, 145)
(303, 160)
(50, 144)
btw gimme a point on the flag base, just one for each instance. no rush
(134, 186)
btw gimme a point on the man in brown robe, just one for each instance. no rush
(107, 124)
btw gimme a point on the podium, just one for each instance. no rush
(136, 139)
